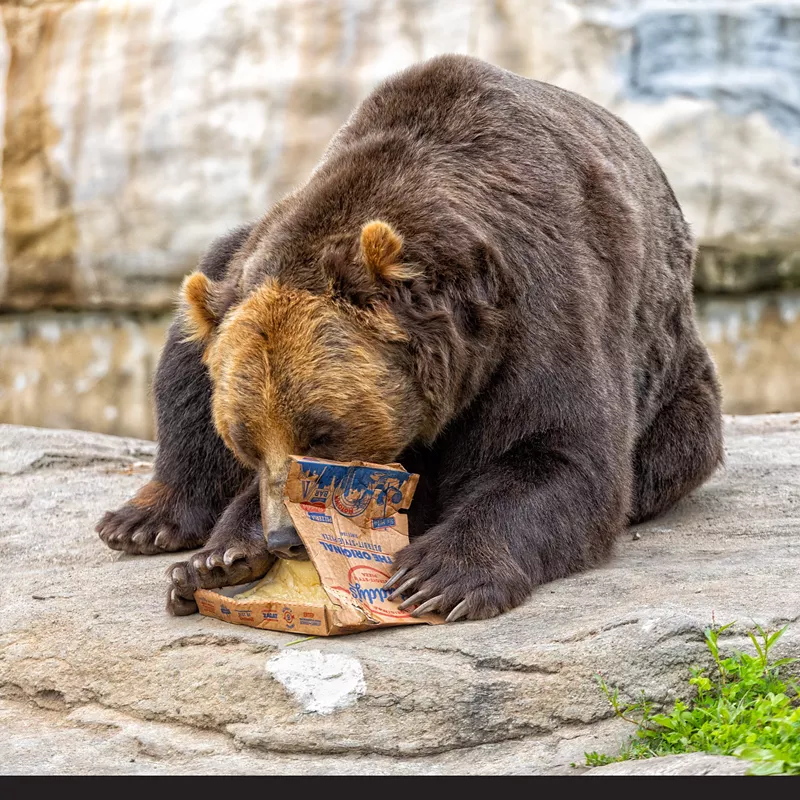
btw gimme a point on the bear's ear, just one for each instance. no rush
(201, 304)
(380, 250)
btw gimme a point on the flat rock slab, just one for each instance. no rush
(685, 764)
(95, 677)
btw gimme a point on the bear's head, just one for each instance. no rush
(296, 372)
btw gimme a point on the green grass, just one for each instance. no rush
(745, 706)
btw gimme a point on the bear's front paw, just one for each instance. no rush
(232, 557)
(155, 520)
(436, 573)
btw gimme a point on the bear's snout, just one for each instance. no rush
(285, 543)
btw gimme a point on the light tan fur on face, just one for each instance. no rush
(274, 513)
(284, 353)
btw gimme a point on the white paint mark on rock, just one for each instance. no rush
(321, 682)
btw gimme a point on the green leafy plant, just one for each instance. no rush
(744, 706)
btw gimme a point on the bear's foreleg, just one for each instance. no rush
(236, 553)
(534, 515)
(195, 477)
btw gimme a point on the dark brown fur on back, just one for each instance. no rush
(539, 291)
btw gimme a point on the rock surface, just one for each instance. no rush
(95, 677)
(135, 132)
(93, 370)
(89, 370)
(686, 764)
(132, 133)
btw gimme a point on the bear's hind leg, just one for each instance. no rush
(682, 446)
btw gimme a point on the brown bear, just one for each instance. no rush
(487, 279)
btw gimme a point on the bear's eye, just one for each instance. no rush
(320, 432)
(319, 440)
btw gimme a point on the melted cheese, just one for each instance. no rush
(289, 581)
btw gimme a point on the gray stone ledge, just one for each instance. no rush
(95, 677)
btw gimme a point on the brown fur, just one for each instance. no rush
(201, 320)
(486, 278)
(266, 360)
(380, 249)
(152, 494)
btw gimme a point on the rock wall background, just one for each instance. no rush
(135, 132)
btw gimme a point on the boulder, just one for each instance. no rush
(90, 370)
(93, 370)
(755, 343)
(95, 677)
(136, 132)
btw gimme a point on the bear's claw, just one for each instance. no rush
(396, 577)
(179, 606)
(214, 561)
(459, 611)
(428, 605)
(215, 567)
(402, 588)
(234, 554)
(163, 538)
(156, 520)
(435, 576)
(413, 600)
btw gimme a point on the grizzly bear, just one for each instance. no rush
(485, 278)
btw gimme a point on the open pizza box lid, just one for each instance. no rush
(351, 519)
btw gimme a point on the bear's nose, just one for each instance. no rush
(285, 543)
